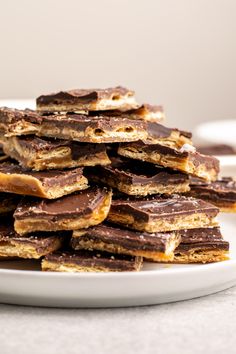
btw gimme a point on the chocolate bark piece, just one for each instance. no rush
(76, 127)
(139, 178)
(156, 246)
(160, 214)
(221, 193)
(147, 112)
(33, 246)
(87, 100)
(8, 202)
(172, 137)
(75, 211)
(201, 245)
(18, 122)
(43, 154)
(46, 184)
(87, 261)
(185, 159)
(217, 150)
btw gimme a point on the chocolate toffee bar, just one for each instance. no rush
(86, 261)
(71, 212)
(76, 127)
(18, 122)
(147, 112)
(172, 137)
(8, 202)
(160, 214)
(185, 159)
(156, 246)
(40, 154)
(33, 246)
(87, 100)
(139, 178)
(45, 184)
(201, 245)
(221, 193)
(217, 150)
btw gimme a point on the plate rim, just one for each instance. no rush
(162, 272)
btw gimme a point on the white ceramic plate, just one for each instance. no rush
(218, 132)
(155, 284)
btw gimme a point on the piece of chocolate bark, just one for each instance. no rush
(156, 246)
(45, 184)
(160, 214)
(139, 178)
(31, 246)
(111, 98)
(221, 193)
(82, 128)
(43, 154)
(87, 261)
(217, 150)
(8, 202)
(172, 137)
(201, 245)
(185, 159)
(75, 211)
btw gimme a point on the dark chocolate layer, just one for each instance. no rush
(50, 177)
(82, 95)
(43, 144)
(137, 172)
(221, 149)
(196, 158)
(221, 190)
(88, 259)
(39, 241)
(72, 206)
(158, 131)
(199, 235)
(161, 207)
(131, 240)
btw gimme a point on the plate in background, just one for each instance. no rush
(218, 132)
(155, 284)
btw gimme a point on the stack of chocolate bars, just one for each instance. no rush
(92, 181)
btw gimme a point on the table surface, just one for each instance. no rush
(203, 325)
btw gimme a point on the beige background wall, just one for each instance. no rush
(181, 53)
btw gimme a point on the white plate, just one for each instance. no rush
(154, 285)
(18, 103)
(218, 132)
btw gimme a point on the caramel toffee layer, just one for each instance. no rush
(222, 192)
(86, 261)
(184, 159)
(139, 178)
(87, 100)
(32, 246)
(147, 112)
(163, 213)
(81, 210)
(76, 127)
(40, 154)
(117, 240)
(45, 184)
(8, 202)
